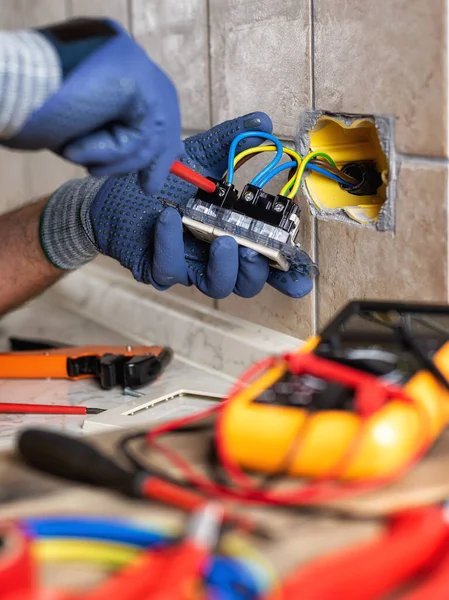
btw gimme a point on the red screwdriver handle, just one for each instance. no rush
(191, 176)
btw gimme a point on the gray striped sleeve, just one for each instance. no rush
(66, 231)
(30, 72)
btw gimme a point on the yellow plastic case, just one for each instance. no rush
(259, 436)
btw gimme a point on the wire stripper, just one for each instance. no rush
(127, 366)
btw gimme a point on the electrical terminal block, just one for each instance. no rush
(255, 219)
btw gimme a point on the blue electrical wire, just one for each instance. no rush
(227, 577)
(257, 134)
(327, 174)
(310, 166)
(276, 171)
(111, 530)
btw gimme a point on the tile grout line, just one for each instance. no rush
(312, 54)
(424, 160)
(209, 60)
(129, 16)
(315, 291)
(68, 8)
(447, 146)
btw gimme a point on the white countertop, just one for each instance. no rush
(41, 320)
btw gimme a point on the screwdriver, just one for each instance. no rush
(191, 176)
(19, 408)
(64, 456)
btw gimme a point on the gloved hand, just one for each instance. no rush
(120, 221)
(85, 90)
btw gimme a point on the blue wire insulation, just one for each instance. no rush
(256, 134)
(276, 171)
(327, 174)
(310, 166)
(230, 578)
(99, 529)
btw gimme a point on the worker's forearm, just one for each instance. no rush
(24, 270)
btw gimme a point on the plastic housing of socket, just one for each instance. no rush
(257, 220)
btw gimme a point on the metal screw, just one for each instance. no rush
(129, 348)
(134, 393)
(278, 207)
(221, 192)
(248, 196)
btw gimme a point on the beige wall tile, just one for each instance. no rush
(358, 263)
(174, 33)
(46, 172)
(385, 57)
(13, 175)
(18, 169)
(260, 60)
(15, 14)
(270, 308)
(27, 176)
(114, 9)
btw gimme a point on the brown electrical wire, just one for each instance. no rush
(325, 165)
(320, 163)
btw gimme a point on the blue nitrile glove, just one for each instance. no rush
(114, 216)
(93, 96)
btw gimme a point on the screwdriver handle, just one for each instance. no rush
(191, 176)
(71, 458)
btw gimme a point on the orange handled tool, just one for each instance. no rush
(129, 366)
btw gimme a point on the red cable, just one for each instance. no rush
(326, 488)
(412, 543)
(323, 490)
(436, 585)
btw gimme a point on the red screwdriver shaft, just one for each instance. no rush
(192, 177)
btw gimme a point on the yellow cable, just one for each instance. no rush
(258, 149)
(75, 550)
(237, 547)
(296, 180)
(115, 555)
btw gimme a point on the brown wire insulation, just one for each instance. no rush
(325, 165)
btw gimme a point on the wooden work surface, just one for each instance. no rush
(297, 536)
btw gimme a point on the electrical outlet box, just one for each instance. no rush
(351, 140)
(255, 219)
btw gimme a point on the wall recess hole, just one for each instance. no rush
(361, 146)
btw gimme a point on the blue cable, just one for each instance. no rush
(227, 577)
(257, 134)
(111, 530)
(276, 171)
(310, 166)
(327, 174)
